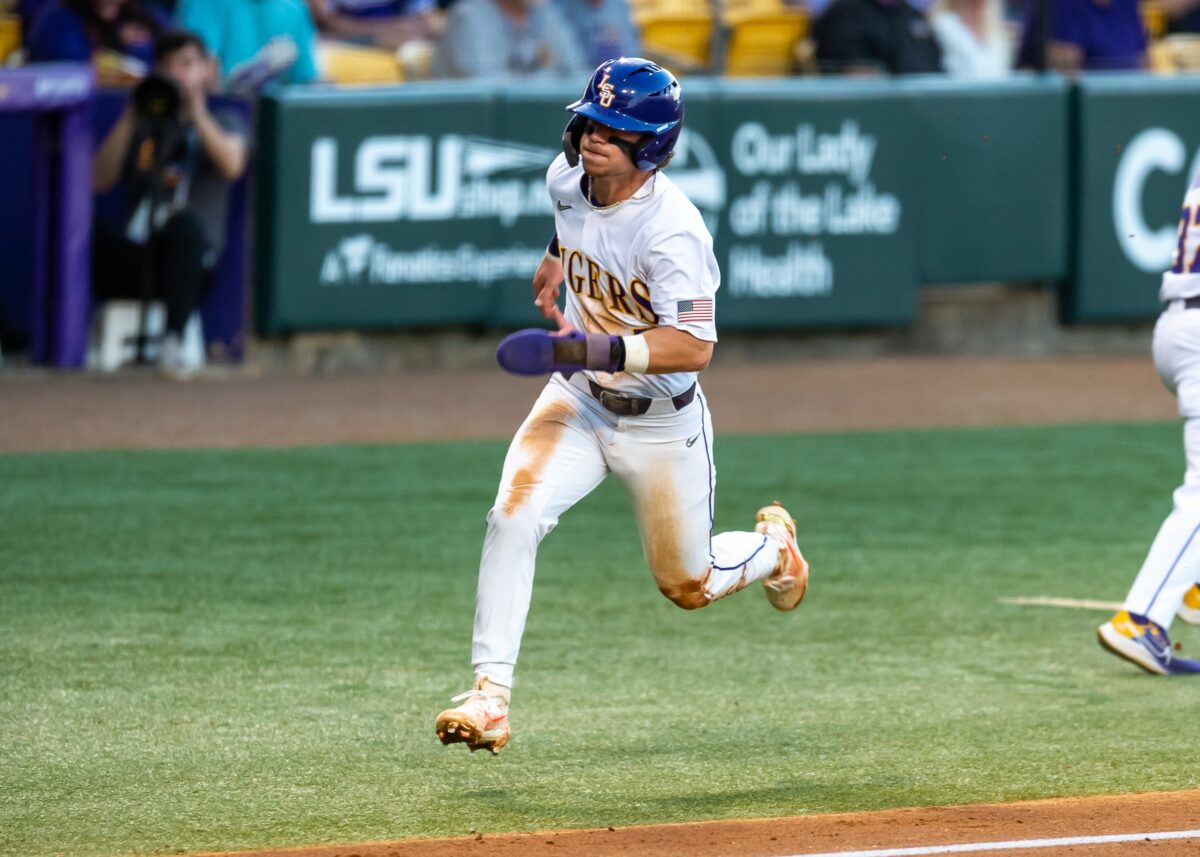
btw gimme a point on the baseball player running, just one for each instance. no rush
(622, 397)
(1166, 584)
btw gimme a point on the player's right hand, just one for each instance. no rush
(547, 281)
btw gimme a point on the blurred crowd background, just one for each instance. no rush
(174, 222)
(392, 41)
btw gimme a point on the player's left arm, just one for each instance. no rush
(682, 277)
(675, 350)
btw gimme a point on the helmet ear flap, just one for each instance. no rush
(572, 134)
(634, 149)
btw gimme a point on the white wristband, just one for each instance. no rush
(637, 353)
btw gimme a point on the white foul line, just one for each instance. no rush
(1011, 845)
(1075, 603)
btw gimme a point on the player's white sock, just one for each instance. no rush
(501, 674)
(740, 559)
(1169, 569)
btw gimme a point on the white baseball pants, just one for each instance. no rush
(564, 449)
(1173, 563)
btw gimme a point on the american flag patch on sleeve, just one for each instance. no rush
(697, 309)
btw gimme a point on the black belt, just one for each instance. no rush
(1188, 303)
(635, 406)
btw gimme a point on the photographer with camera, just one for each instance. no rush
(176, 161)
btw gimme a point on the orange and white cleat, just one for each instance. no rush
(480, 721)
(786, 585)
(1189, 610)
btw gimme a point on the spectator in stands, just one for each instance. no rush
(974, 38)
(603, 27)
(255, 40)
(29, 9)
(117, 36)
(1087, 35)
(874, 37)
(498, 39)
(816, 8)
(388, 24)
(177, 177)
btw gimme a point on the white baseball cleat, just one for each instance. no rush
(786, 585)
(1189, 610)
(480, 722)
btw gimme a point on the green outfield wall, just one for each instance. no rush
(1136, 143)
(831, 202)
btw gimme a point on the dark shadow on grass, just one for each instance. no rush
(796, 796)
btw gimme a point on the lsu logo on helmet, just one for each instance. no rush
(607, 93)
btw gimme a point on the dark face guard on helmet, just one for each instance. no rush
(630, 94)
(577, 127)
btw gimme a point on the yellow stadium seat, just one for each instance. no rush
(733, 11)
(763, 44)
(1159, 57)
(1177, 52)
(642, 9)
(10, 36)
(356, 65)
(680, 38)
(1154, 18)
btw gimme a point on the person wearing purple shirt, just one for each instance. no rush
(385, 24)
(1087, 35)
(29, 9)
(117, 35)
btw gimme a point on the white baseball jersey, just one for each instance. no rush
(1182, 279)
(646, 262)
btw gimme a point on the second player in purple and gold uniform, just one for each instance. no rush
(1166, 584)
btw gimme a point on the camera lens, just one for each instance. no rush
(157, 98)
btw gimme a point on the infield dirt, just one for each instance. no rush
(813, 834)
(133, 410)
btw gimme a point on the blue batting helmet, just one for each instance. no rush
(630, 94)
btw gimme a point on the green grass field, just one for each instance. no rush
(222, 650)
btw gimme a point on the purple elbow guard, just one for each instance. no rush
(539, 352)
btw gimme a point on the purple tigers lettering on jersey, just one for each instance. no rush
(641, 300)
(1179, 264)
(695, 310)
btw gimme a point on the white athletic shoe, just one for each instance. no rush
(171, 361)
(480, 721)
(786, 585)
(1189, 610)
